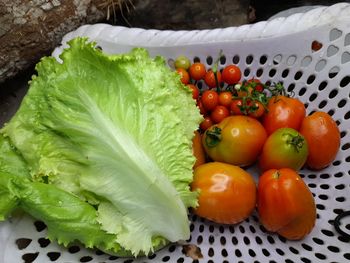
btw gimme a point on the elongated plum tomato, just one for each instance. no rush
(323, 137)
(237, 140)
(285, 204)
(284, 148)
(227, 193)
(283, 111)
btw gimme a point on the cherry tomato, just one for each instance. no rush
(210, 99)
(209, 78)
(231, 74)
(256, 84)
(206, 123)
(225, 98)
(182, 62)
(285, 204)
(256, 109)
(195, 91)
(219, 113)
(284, 148)
(200, 105)
(184, 76)
(283, 112)
(197, 71)
(227, 193)
(235, 107)
(198, 150)
(237, 140)
(323, 137)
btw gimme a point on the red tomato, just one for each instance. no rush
(283, 112)
(235, 107)
(284, 148)
(237, 140)
(256, 84)
(256, 109)
(323, 137)
(219, 113)
(195, 91)
(184, 76)
(209, 78)
(210, 99)
(231, 74)
(225, 98)
(227, 193)
(200, 105)
(197, 71)
(285, 204)
(206, 123)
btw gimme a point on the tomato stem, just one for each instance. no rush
(297, 141)
(213, 136)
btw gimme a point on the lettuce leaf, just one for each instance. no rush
(114, 131)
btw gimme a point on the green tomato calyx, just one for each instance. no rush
(213, 136)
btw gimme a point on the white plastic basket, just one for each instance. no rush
(277, 50)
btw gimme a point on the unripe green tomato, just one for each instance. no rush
(182, 62)
(284, 148)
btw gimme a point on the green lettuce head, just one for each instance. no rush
(114, 134)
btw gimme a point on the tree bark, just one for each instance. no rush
(31, 29)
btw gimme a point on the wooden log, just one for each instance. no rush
(31, 29)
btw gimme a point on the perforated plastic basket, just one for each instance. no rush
(310, 53)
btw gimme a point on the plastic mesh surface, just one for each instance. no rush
(315, 65)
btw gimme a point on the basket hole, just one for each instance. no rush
(347, 256)
(335, 34)
(310, 79)
(113, 258)
(249, 60)
(320, 256)
(209, 60)
(259, 72)
(306, 247)
(298, 75)
(73, 249)
(246, 72)
(333, 93)
(345, 57)
(43, 242)
(302, 91)
(316, 46)
(305, 260)
(199, 239)
(196, 59)
(164, 259)
(263, 59)
(211, 239)
(323, 197)
(22, 243)
(313, 96)
(53, 256)
(332, 50)
(272, 73)
(30, 257)
(235, 59)
(320, 65)
(291, 87)
(251, 253)
(258, 240)
(222, 60)
(246, 240)
(342, 103)
(86, 259)
(306, 61)
(285, 73)
(345, 81)
(322, 85)
(234, 240)
(280, 251)
(333, 72)
(340, 199)
(252, 229)
(347, 115)
(294, 250)
(265, 252)
(39, 225)
(238, 253)
(224, 253)
(277, 59)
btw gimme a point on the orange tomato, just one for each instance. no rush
(323, 137)
(206, 123)
(237, 140)
(283, 112)
(210, 80)
(225, 98)
(285, 204)
(198, 150)
(227, 193)
(219, 113)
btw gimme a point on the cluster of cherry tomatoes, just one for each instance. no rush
(246, 123)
